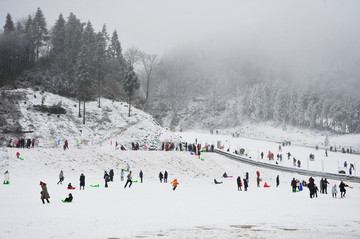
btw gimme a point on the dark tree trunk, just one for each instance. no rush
(84, 113)
(79, 110)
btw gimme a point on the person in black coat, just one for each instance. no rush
(161, 176)
(247, 176)
(69, 199)
(165, 176)
(262, 155)
(277, 181)
(111, 174)
(82, 181)
(238, 180)
(293, 185)
(107, 179)
(245, 184)
(342, 189)
(141, 176)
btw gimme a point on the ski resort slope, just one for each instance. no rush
(196, 209)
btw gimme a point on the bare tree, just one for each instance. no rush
(132, 56)
(150, 62)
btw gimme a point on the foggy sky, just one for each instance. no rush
(158, 25)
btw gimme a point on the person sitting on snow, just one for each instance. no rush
(6, 177)
(69, 198)
(216, 182)
(225, 175)
(70, 186)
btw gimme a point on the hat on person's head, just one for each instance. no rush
(41, 183)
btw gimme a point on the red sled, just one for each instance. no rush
(71, 188)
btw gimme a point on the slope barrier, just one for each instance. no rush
(334, 176)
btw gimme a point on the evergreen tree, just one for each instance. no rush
(40, 31)
(84, 67)
(130, 84)
(73, 35)
(100, 60)
(9, 26)
(58, 36)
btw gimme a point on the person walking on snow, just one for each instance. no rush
(161, 177)
(6, 177)
(239, 184)
(107, 179)
(61, 177)
(325, 184)
(293, 184)
(245, 184)
(111, 174)
(342, 189)
(262, 155)
(129, 180)
(141, 175)
(82, 181)
(175, 183)
(44, 193)
(165, 176)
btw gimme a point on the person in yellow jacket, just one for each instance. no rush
(175, 183)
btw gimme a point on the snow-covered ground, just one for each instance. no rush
(105, 125)
(197, 209)
(253, 148)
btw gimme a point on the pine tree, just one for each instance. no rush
(130, 84)
(40, 31)
(100, 60)
(84, 67)
(73, 35)
(9, 26)
(58, 36)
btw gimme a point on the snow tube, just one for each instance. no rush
(95, 186)
(266, 185)
(71, 188)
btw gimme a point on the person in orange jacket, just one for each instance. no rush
(175, 183)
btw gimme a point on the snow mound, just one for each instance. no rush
(49, 118)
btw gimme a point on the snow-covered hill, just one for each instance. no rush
(104, 125)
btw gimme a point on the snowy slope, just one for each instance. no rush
(197, 209)
(105, 124)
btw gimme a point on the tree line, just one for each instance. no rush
(70, 59)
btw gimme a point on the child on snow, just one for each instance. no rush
(70, 186)
(175, 183)
(334, 191)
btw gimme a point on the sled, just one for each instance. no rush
(21, 158)
(65, 201)
(7, 183)
(95, 186)
(229, 176)
(124, 170)
(71, 188)
(192, 153)
(202, 159)
(135, 181)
